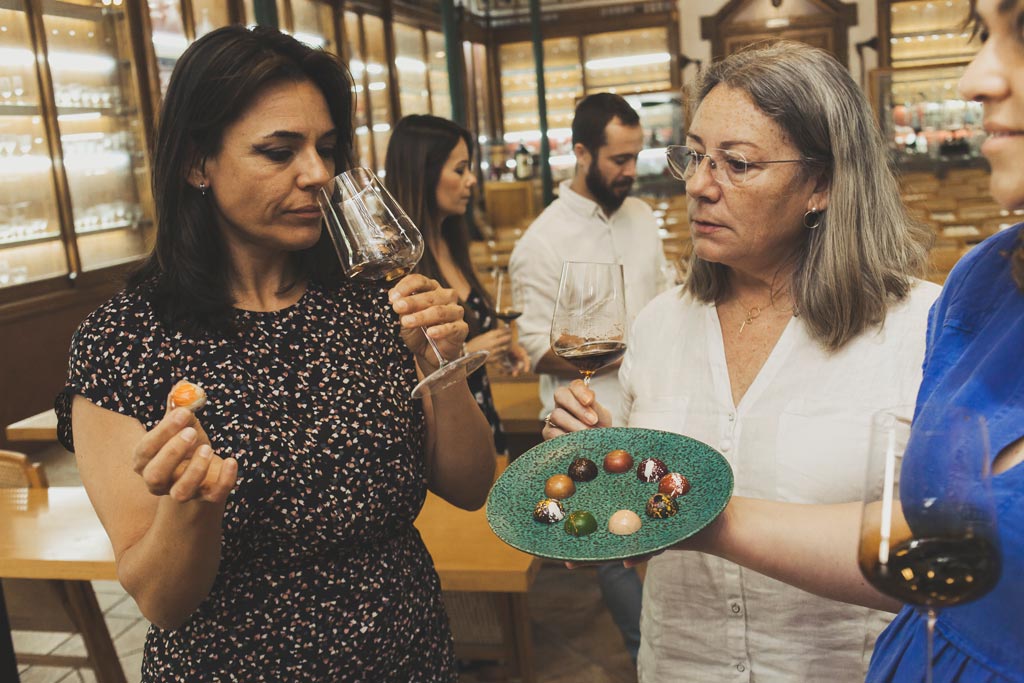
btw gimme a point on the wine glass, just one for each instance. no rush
(376, 240)
(928, 533)
(508, 305)
(588, 328)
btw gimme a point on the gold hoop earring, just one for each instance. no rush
(812, 219)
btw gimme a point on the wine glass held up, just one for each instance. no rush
(376, 240)
(588, 328)
(933, 543)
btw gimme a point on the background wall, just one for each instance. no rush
(690, 12)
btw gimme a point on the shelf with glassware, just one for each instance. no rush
(925, 32)
(563, 85)
(95, 174)
(927, 125)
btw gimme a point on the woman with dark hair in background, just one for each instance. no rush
(429, 170)
(270, 536)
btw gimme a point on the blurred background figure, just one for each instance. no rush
(429, 170)
(593, 219)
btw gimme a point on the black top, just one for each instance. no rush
(322, 576)
(481, 319)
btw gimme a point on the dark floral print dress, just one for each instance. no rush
(322, 576)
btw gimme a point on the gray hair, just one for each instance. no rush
(866, 251)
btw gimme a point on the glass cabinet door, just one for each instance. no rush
(313, 24)
(379, 95)
(100, 132)
(412, 70)
(30, 241)
(563, 85)
(930, 32)
(209, 14)
(357, 66)
(627, 62)
(169, 39)
(440, 92)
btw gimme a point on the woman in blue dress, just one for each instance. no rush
(974, 359)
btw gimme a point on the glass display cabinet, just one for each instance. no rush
(628, 61)
(74, 176)
(926, 47)
(413, 95)
(31, 244)
(353, 53)
(437, 63)
(102, 140)
(563, 87)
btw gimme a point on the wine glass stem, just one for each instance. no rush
(441, 362)
(931, 616)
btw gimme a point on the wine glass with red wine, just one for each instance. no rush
(588, 328)
(377, 241)
(928, 529)
(508, 305)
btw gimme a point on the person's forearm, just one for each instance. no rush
(171, 569)
(462, 458)
(812, 547)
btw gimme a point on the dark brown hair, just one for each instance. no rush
(592, 116)
(419, 147)
(216, 79)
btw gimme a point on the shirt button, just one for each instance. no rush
(732, 417)
(741, 668)
(735, 608)
(726, 444)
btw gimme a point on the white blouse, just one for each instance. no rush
(799, 434)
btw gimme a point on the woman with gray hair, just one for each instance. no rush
(801, 316)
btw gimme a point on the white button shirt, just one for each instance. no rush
(799, 434)
(574, 228)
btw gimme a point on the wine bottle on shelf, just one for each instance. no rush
(524, 162)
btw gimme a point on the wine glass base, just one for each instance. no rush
(449, 374)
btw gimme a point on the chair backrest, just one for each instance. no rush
(17, 471)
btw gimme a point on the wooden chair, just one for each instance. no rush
(47, 605)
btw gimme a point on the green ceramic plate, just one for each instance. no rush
(511, 501)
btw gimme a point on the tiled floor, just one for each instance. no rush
(574, 639)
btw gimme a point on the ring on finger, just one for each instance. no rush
(548, 422)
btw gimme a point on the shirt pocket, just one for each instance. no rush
(666, 413)
(822, 452)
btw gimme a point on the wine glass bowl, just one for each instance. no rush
(588, 328)
(928, 528)
(508, 305)
(377, 241)
(374, 238)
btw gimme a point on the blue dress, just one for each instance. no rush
(975, 359)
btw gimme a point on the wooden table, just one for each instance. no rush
(54, 534)
(41, 427)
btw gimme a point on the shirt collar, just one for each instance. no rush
(580, 204)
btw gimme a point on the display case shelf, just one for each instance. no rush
(925, 46)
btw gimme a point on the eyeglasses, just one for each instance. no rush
(726, 165)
